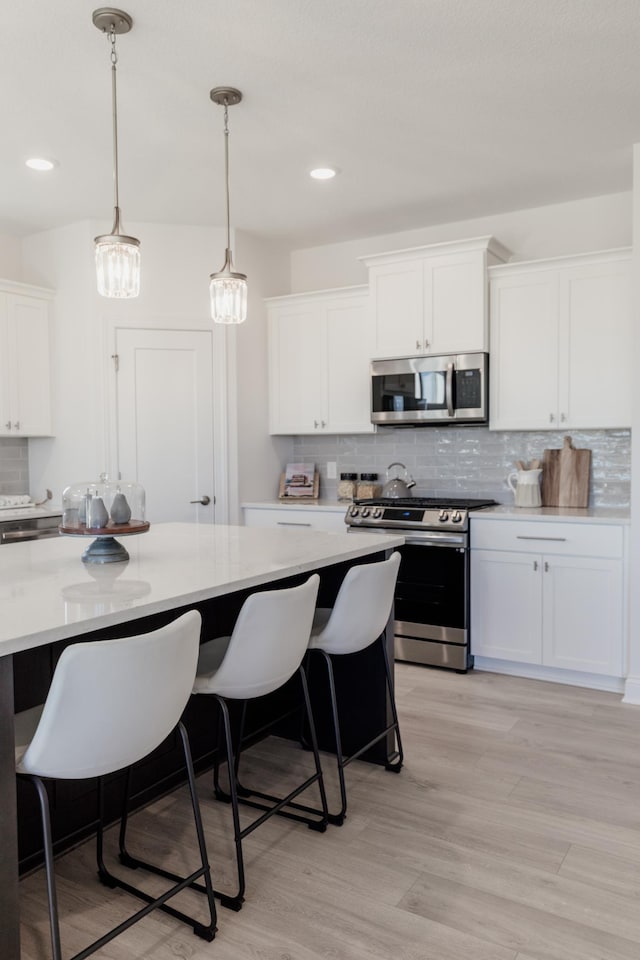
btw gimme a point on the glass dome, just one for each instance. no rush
(105, 504)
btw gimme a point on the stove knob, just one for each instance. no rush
(456, 517)
(443, 517)
(377, 513)
(354, 511)
(365, 512)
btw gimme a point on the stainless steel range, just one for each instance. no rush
(432, 595)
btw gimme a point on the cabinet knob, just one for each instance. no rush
(315, 424)
(8, 425)
(535, 564)
(562, 418)
(551, 418)
(418, 344)
(427, 344)
(546, 566)
(16, 425)
(323, 423)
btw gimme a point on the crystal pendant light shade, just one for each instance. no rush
(118, 266)
(228, 293)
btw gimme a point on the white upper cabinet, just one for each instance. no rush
(561, 343)
(432, 299)
(25, 377)
(319, 352)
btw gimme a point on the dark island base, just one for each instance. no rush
(361, 692)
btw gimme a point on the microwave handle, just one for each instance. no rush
(449, 389)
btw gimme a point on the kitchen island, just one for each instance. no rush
(49, 598)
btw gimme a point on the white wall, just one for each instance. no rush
(176, 264)
(632, 686)
(596, 223)
(261, 458)
(10, 257)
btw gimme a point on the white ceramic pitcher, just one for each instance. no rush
(525, 485)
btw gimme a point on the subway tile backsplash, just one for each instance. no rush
(469, 461)
(14, 465)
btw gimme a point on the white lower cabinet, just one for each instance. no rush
(549, 594)
(287, 517)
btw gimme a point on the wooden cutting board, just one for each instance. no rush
(565, 476)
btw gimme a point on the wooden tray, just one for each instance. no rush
(565, 476)
(111, 529)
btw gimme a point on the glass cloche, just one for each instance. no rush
(103, 509)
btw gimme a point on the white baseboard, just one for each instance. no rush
(574, 678)
(631, 690)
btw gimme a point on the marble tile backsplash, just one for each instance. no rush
(469, 461)
(14, 465)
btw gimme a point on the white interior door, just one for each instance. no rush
(165, 420)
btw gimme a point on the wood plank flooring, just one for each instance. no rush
(512, 833)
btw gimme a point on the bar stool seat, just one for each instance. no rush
(356, 621)
(265, 650)
(111, 703)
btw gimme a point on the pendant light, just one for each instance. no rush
(227, 289)
(117, 255)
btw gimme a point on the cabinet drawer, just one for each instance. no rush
(533, 536)
(286, 519)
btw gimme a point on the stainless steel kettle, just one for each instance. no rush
(397, 486)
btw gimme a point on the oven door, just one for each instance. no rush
(432, 602)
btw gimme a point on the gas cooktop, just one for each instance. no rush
(427, 513)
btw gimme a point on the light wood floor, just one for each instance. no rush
(513, 833)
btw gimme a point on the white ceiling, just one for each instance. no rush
(434, 110)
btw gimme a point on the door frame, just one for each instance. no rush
(223, 362)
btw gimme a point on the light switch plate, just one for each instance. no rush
(331, 470)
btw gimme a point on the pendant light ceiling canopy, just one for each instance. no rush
(227, 288)
(117, 255)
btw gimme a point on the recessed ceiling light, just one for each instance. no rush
(323, 173)
(40, 163)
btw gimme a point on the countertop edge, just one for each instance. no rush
(602, 515)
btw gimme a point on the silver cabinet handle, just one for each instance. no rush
(17, 425)
(205, 501)
(535, 564)
(557, 539)
(449, 389)
(427, 344)
(418, 345)
(551, 418)
(8, 425)
(546, 567)
(291, 523)
(562, 418)
(323, 423)
(315, 423)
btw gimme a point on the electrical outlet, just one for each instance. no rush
(331, 470)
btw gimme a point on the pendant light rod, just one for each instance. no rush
(226, 97)
(113, 22)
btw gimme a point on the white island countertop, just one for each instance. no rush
(47, 593)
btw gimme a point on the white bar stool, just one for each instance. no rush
(265, 650)
(111, 703)
(356, 621)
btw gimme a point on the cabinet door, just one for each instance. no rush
(506, 606)
(524, 352)
(348, 352)
(397, 307)
(595, 345)
(455, 300)
(296, 368)
(582, 614)
(29, 366)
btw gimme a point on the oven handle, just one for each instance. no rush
(423, 539)
(449, 389)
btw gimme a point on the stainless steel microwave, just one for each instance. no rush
(438, 389)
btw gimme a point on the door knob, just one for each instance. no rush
(203, 500)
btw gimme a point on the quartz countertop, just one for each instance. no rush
(47, 593)
(563, 514)
(30, 513)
